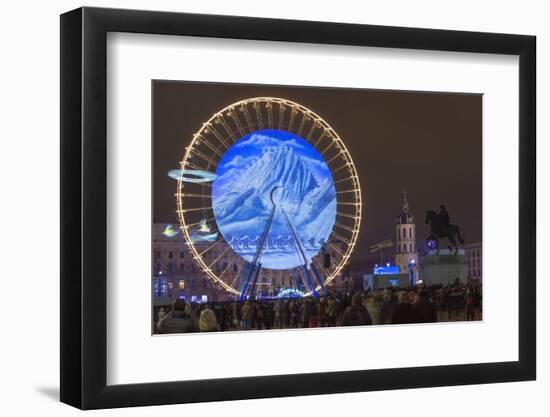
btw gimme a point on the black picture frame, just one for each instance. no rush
(84, 207)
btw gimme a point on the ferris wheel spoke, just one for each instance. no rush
(204, 157)
(227, 128)
(199, 222)
(344, 180)
(192, 195)
(212, 246)
(355, 190)
(282, 110)
(341, 238)
(340, 152)
(346, 203)
(209, 145)
(244, 110)
(320, 267)
(314, 127)
(349, 216)
(182, 211)
(258, 111)
(233, 115)
(336, 248)
(237, 277)
(293, 113)
(189, 164)
(343, 226)
(269, 108)
(220, 256)
(302, 124)
(327, 148)
(210, 129)
(346, 165)
(320, 138)
(229, 264)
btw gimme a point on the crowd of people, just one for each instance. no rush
(418, 304)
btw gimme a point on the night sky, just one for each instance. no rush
(427, 143)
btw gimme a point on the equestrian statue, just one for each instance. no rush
(441, 227)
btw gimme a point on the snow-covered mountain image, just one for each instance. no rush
(280, 164)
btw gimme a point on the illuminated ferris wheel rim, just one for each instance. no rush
(242, 129)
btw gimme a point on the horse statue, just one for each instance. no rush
(438, 230)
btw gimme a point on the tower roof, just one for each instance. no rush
(405, 217)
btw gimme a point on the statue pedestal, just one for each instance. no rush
(444, 268)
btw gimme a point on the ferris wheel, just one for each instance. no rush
(267, 186)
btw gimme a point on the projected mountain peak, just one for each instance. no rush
(242, 204)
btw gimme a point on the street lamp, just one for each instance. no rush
(412, 271)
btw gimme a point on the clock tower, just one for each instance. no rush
(406, 255)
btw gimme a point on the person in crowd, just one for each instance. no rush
(236, 314)
(268, 316)
(424, 309)
(332, 311)
(278, 315)
(247, 314)
(388, 304)
(477, 303)
(403, 311)
(161, 314)
(259, 315)
(286, 313)
(208, 321)
(322, 315)
(457, 299)
(374, 303)
(219, 310)
(294, 312)
(356, 314)
(179, 320)
(469, 303)
(307, 312)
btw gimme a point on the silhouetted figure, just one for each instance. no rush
(356, 314)
(444, 218)
(403, 311)
(180, 320)
(424, 309)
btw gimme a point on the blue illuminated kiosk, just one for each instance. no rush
(248, 277)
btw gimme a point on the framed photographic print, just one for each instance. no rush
(258, 208)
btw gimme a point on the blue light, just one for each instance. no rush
(386, 270)
(290, 293)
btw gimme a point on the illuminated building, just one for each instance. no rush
(474, 255)
(175, 273)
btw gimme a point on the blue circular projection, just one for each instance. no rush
(274, 199)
